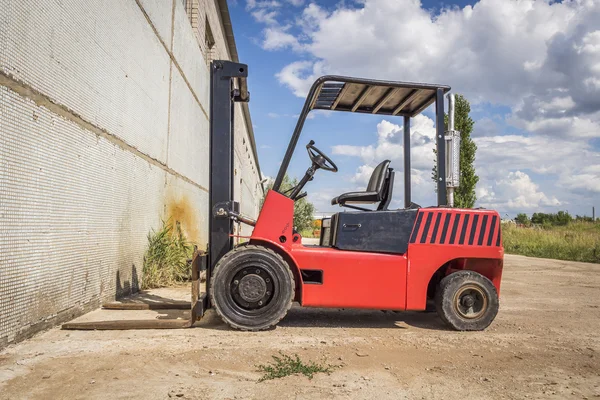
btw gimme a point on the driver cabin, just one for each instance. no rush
(360, 228)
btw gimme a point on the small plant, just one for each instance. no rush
(166, 260)
(287, 365)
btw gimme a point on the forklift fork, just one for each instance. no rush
(197, 307)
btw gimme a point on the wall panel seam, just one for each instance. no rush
(28, 92)
(172, 56)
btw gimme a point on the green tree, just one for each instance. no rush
(522, 219)
(303, 209)
(561, 218)
(464, 195)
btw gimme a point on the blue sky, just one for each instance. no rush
(531, 70)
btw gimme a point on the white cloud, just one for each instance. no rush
(501, 164)
(276, 38)
(480, 48)
(363, 174)
(265, 11)
(252, 4)
(587, 179)
(539, 58)
(389, 146)
(565, 126)
(564, 167)
(265, 16)
(517, 192)
(300, 75)
(540, 154)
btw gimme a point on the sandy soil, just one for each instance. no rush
(545, 343)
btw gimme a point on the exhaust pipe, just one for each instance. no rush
(451, 112)
(452, 137)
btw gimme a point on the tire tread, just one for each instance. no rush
(232, 253)
(442, 297)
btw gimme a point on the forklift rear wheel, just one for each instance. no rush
(252, 288)
(467, 301)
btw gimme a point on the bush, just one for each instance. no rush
(523, 219)
(166, 260)
(584, 218)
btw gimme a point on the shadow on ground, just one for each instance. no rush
(349, 318)
(300, 317)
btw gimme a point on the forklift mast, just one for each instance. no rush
(227, 86)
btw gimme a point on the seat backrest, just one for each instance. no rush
(378, 178)
(388, 188)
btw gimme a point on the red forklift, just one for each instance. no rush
(369, 256)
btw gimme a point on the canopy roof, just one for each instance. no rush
(340, 93)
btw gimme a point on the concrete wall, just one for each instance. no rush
(103, 132)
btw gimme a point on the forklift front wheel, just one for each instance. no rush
(467, 301)
(252, 288)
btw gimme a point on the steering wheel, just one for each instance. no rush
(317, 157)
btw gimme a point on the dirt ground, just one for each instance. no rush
(545, 343)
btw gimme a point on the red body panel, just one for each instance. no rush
(459, 239)
(353, 279)
(471, 237)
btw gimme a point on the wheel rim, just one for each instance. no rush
(470, 302)
(252, 288)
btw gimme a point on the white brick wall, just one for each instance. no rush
(188, 135)
(103, 132)
(103, 62)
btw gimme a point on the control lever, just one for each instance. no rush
(307, 177)
(231, 210)
(300, 196)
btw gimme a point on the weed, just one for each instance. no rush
(166, 260)
(287, 365)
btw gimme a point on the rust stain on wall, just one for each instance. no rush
(181, 210)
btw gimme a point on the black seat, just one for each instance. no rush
(379, 190)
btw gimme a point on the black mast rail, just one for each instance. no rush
(223, 94)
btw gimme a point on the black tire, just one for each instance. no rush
(252, 288)
(466, 301)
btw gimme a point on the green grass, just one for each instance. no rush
(308, 233)
(166, 259)
(287, 365)
(577, 241)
